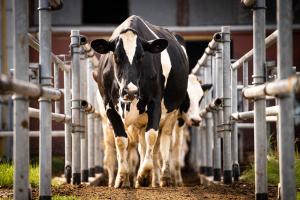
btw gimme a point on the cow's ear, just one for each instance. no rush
(206, 87)
(155, 46)
(102, 46)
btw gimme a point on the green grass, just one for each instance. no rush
(273, 172)
(6, 171)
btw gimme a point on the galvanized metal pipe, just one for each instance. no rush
(234, 133)
(45, 139)
(68, 126)
(34, 43)
(270, 111)
(76, 129)
(89, 51)
(212, 106)
(57, 117)
(286, 113)
(20, 112)
(227, 159)
(83, 120)
(56, 86)
(260, 135)
(209, 120)
(245, 83)
(90, 119)
(27, 89)
(269, 41)
(31, 134)
(202, 134)
(208, 51)
(219, 113)
(280, 87)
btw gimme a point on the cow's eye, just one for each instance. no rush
(140, 58)
(117, 59)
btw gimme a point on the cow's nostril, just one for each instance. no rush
(195, 122)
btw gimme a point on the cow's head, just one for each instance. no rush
(190, 109)
(129, 51)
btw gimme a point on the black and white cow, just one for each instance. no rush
(145, 69)
(189, 115)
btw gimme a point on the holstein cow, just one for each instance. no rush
(145, 69)
(109, 159)
(189, 115)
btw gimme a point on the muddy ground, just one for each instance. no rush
(191, 190)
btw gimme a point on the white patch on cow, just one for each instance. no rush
(131, 87)
(166, 64)
(195, 93)
(129, 43)
(164, 59)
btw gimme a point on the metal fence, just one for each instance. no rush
(215, 67)
(82, 134)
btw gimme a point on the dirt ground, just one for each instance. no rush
(191, 190)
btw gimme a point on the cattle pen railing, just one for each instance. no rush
(221, 122)
(82, 132)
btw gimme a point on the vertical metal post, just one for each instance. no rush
(90, 120)
(209, 121)
(234, 141)
(56, 86)
(76, 126)
(45, 145)
(202, 132)
(68, 127)
(218, 118)
(21, 117)
(260, 135)
(245, 83)
(227, 160)
(286, 109)
(83, 120)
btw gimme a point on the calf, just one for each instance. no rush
(189, 116)
(143, 67)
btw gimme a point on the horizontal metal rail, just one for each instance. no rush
(35, 113)
(270, 40)
(89, 51)
(9, 85)
(214, 105)
(34, 43)
(279, 87)
(212, 45)
(33, 133)
(270, 111)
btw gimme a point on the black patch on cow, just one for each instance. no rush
(184, 107)
(180, 122)
(116, 122)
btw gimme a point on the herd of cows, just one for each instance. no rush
(147, 99)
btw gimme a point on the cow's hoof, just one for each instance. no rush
(179, 184)
(121, 181)
(144, 179)
(165, 181)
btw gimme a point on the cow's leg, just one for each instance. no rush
(133, 157)
(156, 164)
(165, 141)
(176, 155)
(109, 159)
(144, 177)
(121, 142)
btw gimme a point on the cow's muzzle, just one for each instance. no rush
(129, 95)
